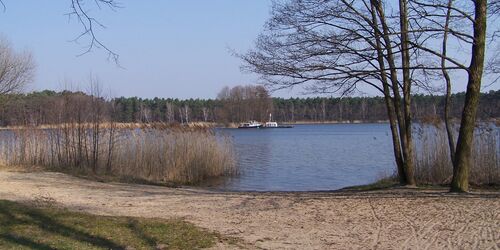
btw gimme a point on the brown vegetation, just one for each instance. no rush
(432, 157)
(178, 155)
(16, 69)
(244, 103)
(81, 135)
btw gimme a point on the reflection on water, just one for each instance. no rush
(310, 157)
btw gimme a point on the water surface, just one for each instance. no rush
(310, 157)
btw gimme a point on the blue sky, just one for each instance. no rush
(174, 48)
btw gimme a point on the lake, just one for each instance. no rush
(304, 158)
(310, 157)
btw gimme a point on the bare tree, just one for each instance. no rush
(332, 47)
(204, 110)
(169, 112)
(447, 106)
(335, 45)
(462, 160)
(96, 107)
(466, 23)
(243, 103)
(186, 113)
(16, 68)
(145, 113)
(112, 134)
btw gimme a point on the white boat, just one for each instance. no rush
(250, 124)
(271, 124)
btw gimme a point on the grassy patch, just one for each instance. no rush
(109, 178)
(25, 227)
(383, 183)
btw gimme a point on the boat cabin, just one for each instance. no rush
(251, 124)
(271, 125)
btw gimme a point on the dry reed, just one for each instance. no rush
(433, 161)
(159, 154)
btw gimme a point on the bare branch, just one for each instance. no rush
(89, 25)
(16, 69)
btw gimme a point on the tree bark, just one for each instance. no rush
(388, 99)
(460, 182)
(405, 57)
(401, 118)
(447, 104)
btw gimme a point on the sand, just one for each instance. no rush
(388, 219)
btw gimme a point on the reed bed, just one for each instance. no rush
(159, 154)
(121, 125)
(433, 162)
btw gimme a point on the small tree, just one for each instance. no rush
(16, 69)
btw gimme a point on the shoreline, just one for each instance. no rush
(136, 125)
(384, 184)
(132, 125)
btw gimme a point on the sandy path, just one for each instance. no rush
(399, 219)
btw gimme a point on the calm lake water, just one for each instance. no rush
(310, 157)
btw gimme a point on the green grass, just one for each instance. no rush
(26, 227)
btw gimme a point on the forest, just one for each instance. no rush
(232, 105)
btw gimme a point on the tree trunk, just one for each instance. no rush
(447, 104)
(388, 99)
(396, 101)
(460, 182)
(405, 58)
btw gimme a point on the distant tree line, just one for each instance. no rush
(236, 104)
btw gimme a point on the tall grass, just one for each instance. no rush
(433, 162)
(160, 154)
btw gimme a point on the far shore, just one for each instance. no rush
(136, 125)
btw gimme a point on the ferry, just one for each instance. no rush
(250, 124)
(271, 124)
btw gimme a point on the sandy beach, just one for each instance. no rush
(386, 219)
